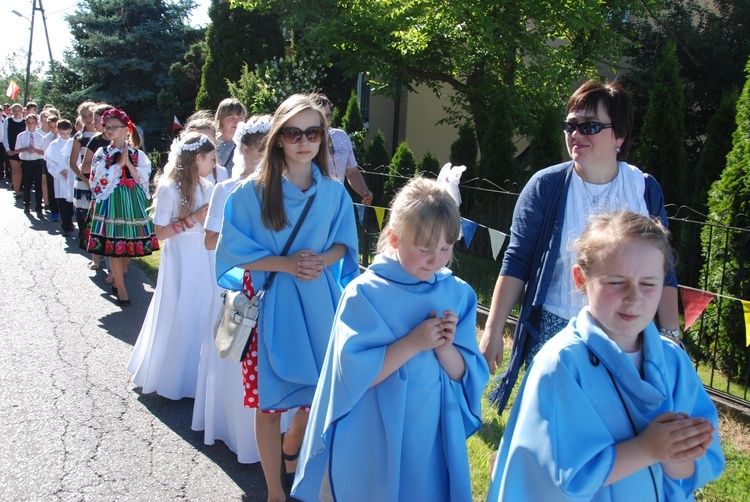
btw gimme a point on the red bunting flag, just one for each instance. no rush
(12, 90)
(694, 302)
(176, 124)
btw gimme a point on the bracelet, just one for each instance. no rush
(176, 228)
(184, 223)
(190, 217)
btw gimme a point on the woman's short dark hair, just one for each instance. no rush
(614, 98)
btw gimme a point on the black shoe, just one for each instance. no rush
(123, 303)
(288, 477)
(40, 215)
(27, 210)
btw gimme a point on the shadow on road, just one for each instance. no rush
(177, 415)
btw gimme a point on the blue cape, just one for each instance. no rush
(404, 439)
(296, 316)
(559, 443)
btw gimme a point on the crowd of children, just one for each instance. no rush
(364, 386)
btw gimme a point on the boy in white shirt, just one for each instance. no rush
(30, 148)
(57, 157)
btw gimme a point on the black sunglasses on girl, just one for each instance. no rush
(585, 128)
(293, 135)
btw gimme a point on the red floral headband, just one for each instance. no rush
(120, 115)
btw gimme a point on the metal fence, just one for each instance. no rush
(723, 369)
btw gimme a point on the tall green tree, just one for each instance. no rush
(235, 37)
(123, 49)
(532, 50)
(464, 150)
(178, 97)
(727, 253)
(713, 44)
(14, 68)
(352, 121)
(376, 154)
(718, 144)
(546, 148)
(662, 142)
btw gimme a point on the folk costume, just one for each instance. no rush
(577, 401)
(118, 223)
(412, 427)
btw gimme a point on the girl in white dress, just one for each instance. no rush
(165, 357)
(219, 408)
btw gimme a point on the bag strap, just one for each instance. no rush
(290, 240)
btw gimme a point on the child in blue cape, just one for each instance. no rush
(402, 382)
(609, 409)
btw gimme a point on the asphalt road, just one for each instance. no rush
(72, 425)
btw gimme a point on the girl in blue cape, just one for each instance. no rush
(610, 410)
(298, 309)
(401, 386)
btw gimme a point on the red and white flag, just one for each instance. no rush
(13, 90)
(176, 124)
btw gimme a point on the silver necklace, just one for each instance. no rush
(603, 194)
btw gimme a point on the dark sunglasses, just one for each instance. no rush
(294, 134)
(585, 128)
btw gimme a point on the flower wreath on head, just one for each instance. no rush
(120, 115)
(179, 146)
(253, 126)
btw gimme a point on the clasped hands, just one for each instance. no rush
(306, 264)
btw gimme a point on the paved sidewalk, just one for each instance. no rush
(72, 425)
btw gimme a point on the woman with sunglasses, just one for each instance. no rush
(297, 310)
(552, 211)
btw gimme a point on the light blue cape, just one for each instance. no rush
(559, 443)
(296, 316)
(404, 439)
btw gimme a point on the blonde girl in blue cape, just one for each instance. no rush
(401, 386)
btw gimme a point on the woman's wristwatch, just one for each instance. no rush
(674, 335)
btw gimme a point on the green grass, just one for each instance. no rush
(734, 483)
(149, 264)
(719, 382)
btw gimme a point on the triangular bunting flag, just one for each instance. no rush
(176, 124)
(361, 213)
(497, 239)
(380, 214)
(694, 302)
(468, 228)
(746, 309)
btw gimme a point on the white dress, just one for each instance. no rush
(166, 354)
(219, 409)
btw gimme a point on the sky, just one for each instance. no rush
(15, 33)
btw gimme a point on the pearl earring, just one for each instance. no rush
(618, 149)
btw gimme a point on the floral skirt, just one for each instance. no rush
(119, 226)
